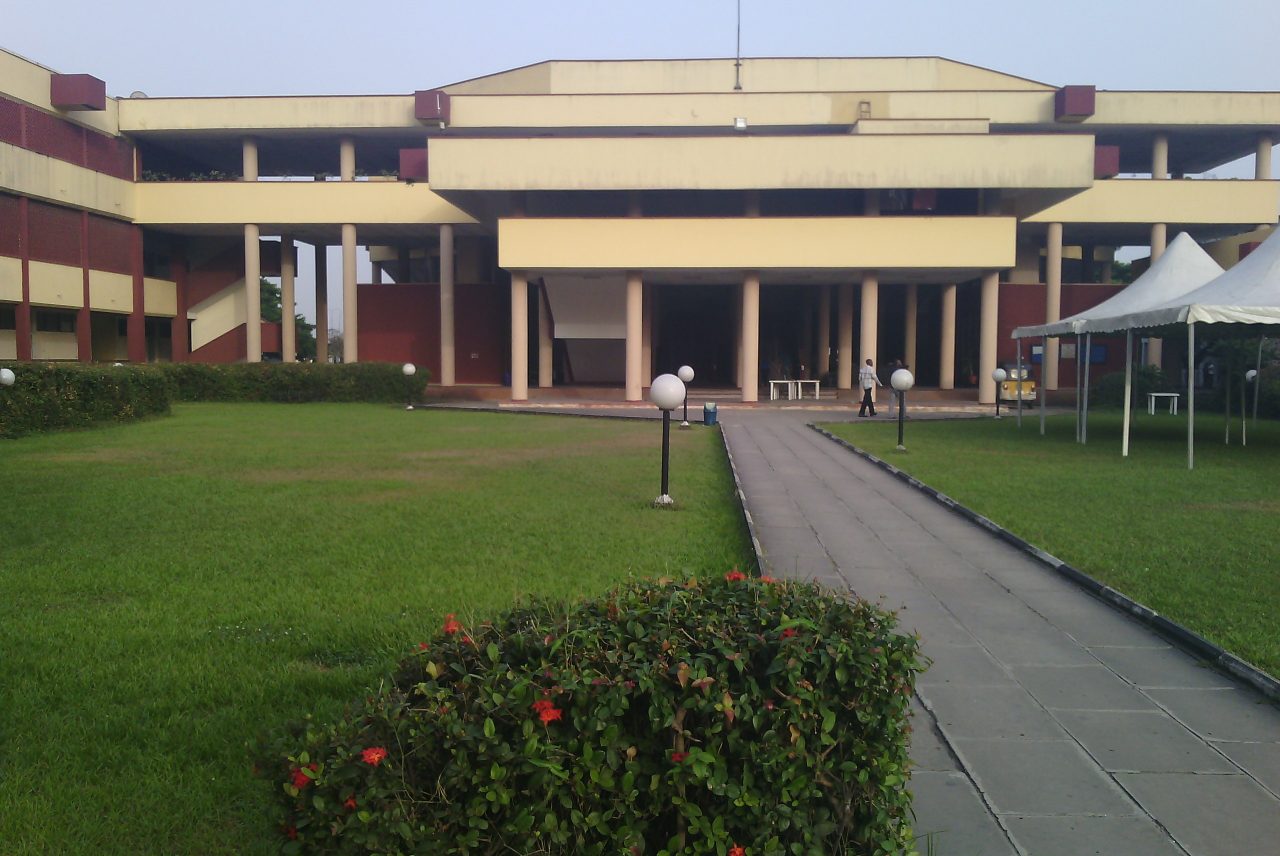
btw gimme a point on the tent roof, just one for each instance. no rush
(1249, 293)
(1183, 267)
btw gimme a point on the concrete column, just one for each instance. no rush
(545, 339)
(806, 334)
(823, 363)
(871, 203)
(350, 323)
(1160, 156)
(1262, 160)
(947, 339)
(1052, 301)
(751, 206)
(252, 295)
(635, 325)
(447, 347)
(909, 334)
(844, 345)
(750, 336)
(519, 336)
(288, 302)
(646, 333)
(347, 159)
(987, 391)
(1159, 240)
(867, 342)
(322, 303)
(249, 159)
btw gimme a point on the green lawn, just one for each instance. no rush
(170, 588)
(1198, 546)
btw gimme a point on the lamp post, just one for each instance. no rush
(1249, 377)
(901, 380)
(409, 370)
(998, 376)
(685, 373)
(666, 392)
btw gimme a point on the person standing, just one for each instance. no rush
(869, 381)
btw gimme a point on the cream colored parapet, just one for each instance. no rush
(10, 279)
(1185, 201)
(110, 292)
(1173, 109)
(763, 243)
(1000, 108)
(56, 285)
(160, 297)
(331, 112)
(26, 173)
(292, 202)
(28, 81)
(729, 163)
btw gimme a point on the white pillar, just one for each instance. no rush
(545, 339)
(322, 303)
(947, 339)
(987, 391)
(1262, 160)
(249, 159)
(750, 336)
(252, 295)
(646, 332)
(1159, 240)
(1052, 302)
(519, 336)
(844, 344)
(1160, 156)
(350, 322)
(635, 324)
(823, 364)
(288, 303)
(347, 159)
(447, 348)
(867, 342)
(909, 334)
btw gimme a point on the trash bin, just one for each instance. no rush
(709, 413)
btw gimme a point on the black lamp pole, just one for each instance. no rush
(902, 399)
(686, 406)
(666, 449)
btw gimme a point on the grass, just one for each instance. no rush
(1198, 546)
(169, 589)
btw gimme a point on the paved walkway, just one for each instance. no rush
(1049, 723)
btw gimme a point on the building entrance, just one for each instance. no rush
(695, 326)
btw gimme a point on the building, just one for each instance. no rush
(600, 222)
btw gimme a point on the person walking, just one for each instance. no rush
(869, 381)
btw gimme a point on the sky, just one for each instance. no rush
(296, 47)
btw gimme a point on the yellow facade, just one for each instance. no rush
(110, 292)
(56, 285)
(1189, 201)
(25, 173)
(10, 279)
(160, 297)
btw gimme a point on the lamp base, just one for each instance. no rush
(684, 424)
(664, 501)
(408, 407)
(902, 448)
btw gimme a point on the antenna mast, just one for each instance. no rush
(737, 57)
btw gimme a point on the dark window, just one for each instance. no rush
(52, 321)
(8, 318)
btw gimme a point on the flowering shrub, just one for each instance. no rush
(730, 716)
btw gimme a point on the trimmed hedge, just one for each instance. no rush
(291, 382)
(47, 396)
(1109, 390)
(736, 716)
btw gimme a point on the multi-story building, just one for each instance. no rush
(599, 222)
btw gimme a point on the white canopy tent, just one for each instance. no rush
(1183, 268)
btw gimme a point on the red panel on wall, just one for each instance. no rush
(431, 105)
(10, 224)
(1074, 103)
(215, 273)
(1106, 161)
(482, 332)
(49, 135)
(77, 92)
(413, 163)
(400, 323)
(271, 337)
(10, 122)
(230, 347)
(110, 155)
(109, 245)
(1023, 304)
(55, 234)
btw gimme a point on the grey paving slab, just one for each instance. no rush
(1091, 836)
(1091, 687)
(1209, 815)
(1260, 760)
(929, 750)
(994, 712)
(1159, 667)
(1222, 714)
(966, 665)
(951, 818)
(1142, 742)
(1041, 777)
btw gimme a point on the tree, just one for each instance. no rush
(269, 300)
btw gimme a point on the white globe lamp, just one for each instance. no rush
(666, 391)
(685, 373)
(7, 377)
(409, 370)
(901, 380)
(999, 376)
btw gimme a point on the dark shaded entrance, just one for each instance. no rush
(694, 325)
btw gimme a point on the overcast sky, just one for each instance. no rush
(287, 47)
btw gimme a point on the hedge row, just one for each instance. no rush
(292, 382)
(46, 396)
(734, 716)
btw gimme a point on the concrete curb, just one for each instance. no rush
(1184, 638)
(742, 504)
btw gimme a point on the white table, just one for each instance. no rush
(800, 388)
(785, 384)
(1173, 402)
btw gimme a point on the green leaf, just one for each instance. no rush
(489, 728)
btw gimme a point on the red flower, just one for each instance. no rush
(765, 578)
(736, 850)
(788, 633)
(468, 640)
(547, 711)
(300, 778)
(350, 803)
(768, 704)
(373, 756)
(735, 576)
(451, 625)
(291, 832)
(677, 757)
(422, 646)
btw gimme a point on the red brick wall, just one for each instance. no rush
(1023, 305)
(46, 134)
(10, 225)
(55, 234)
(109, 245)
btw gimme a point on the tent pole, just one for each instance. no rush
(1257, 382)
(1191, 396)
(1044, 392)
(1019, 379)
(1088, 353)
(1079, 428)
(1244, 413)
(1226, 408)
(1128, 391)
